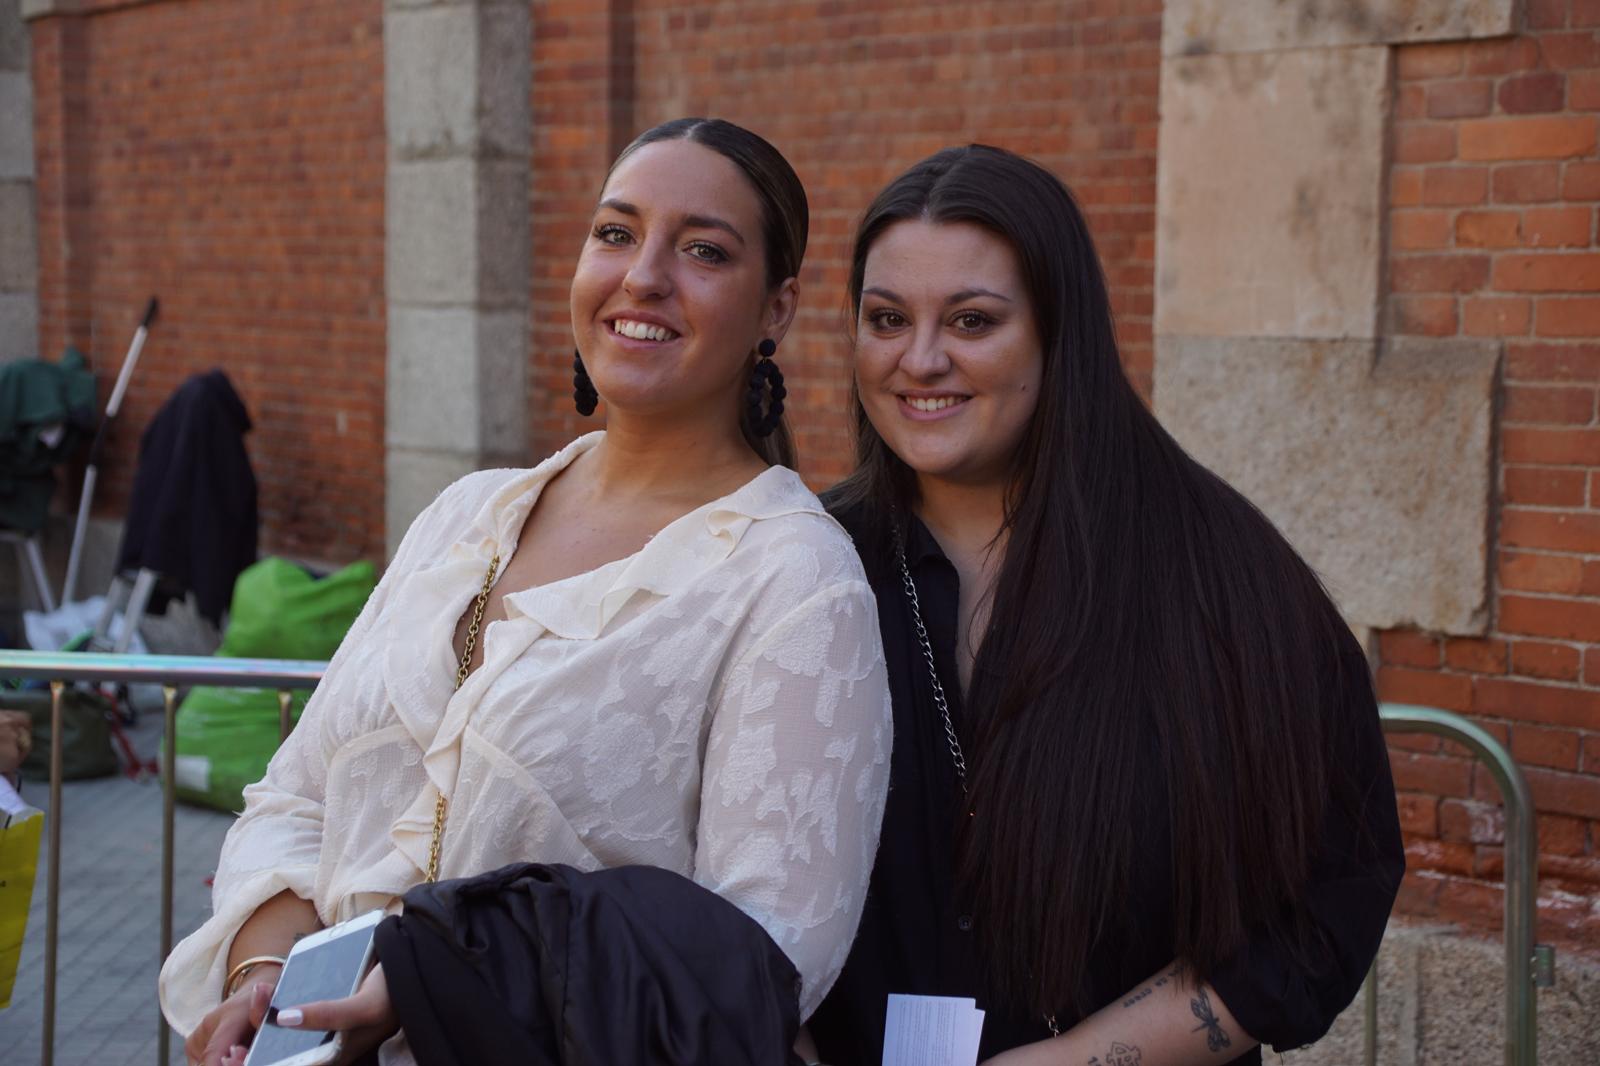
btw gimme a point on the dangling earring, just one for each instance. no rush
(765, 372)
(583, 393)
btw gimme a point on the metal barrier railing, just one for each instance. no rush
(170, 672)
(1529, 966)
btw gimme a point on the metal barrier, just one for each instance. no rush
(1529, 966)
(169, 671)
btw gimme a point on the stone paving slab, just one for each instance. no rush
(108, 957)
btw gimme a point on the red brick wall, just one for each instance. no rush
(228, 156)
(577, 85)
(1493, 199)
(230, 159)
(852, 93)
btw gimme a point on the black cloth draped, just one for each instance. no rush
(192, 516)
(535, 965)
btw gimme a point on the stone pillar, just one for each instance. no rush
(1374, 458)
(457, 95)
(19, 254)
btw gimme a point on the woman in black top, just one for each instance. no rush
(1139, 793)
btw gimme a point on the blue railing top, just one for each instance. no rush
(161, 669)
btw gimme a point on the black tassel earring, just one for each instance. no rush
(765, 373)
(583, 393)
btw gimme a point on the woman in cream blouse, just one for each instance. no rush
(679, 665)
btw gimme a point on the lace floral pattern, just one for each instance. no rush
(714, 705)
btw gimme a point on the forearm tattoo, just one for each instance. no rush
(1145, 991)
(1217, 1039)
(1216, 1036)
(1120, 1055)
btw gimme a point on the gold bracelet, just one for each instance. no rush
(237, 974)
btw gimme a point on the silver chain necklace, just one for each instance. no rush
(956, 755)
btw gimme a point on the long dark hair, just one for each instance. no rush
(1139, 596)
(785, 223)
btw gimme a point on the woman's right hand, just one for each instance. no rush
(232, 1025)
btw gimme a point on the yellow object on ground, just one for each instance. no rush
(20, 829)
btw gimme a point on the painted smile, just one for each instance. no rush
(641, 331)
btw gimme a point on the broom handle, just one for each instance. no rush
(102, 431)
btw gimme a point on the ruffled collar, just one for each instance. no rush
(420, 666)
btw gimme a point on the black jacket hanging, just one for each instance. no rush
(192, 518)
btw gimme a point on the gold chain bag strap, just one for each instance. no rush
(441, 806)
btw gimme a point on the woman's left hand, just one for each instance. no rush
(367, 1019)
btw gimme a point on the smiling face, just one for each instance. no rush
(947, 355)
(670, 295)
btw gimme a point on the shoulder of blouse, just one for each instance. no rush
(462, 499)
(798, 537)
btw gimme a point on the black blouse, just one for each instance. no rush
(916, 938)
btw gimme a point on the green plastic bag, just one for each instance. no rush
(226, 736)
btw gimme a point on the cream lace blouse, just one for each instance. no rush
(715, 705)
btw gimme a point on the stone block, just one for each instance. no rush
(1463, 1011)
(416, 5)
(458, 80)
(432, 379)
(38, 9)
(1270, 193)
(505, 237)
(1567, 1033)
(1376, 467)
(1462, 982)
(430, 62)
(503, 386)
(19, 252)
(1441, 1000)
(505, 81)
(457, 381)
(15, 48)
(458, 232)
(431, 251)
(412, 479)
(19, 326)
(1197, 27)
(16, 125)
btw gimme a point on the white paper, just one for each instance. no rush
(931, 1031)
(12, 805)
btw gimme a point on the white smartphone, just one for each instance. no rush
(325, 965)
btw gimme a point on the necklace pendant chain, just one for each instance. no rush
(951, 739)
(441, 806)
(956, 756)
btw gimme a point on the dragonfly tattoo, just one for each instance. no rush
(1216, 1037)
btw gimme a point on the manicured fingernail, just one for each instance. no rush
(290, 1018)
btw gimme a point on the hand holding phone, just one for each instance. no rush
(302, 1028)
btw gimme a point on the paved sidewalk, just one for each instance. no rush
(106, 1011)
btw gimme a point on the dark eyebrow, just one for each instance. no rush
(967, 294)
(711, 222)
(689, 221)
(955, 298)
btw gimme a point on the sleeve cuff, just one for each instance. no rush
(191, 979)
